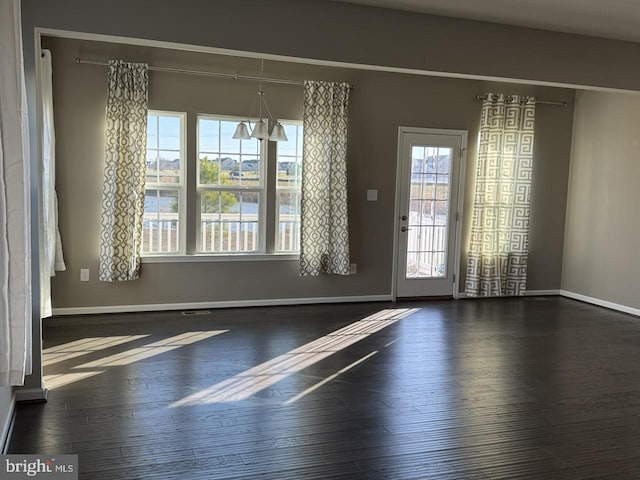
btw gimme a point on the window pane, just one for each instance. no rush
(229, 222)
(444, 160)
(428, 212)
(169, 133)
(223, 160)
(249, 170)
(229, 218)
(289, 147)
(290, 172)
(209, 173)
(300, 144)
(417, 160)
(208, 135)
(152, 131)
(288, 222)
(289, 182)
(160, 222)
(229, 163)
(228, 144)
(169, 166)
(152, 166)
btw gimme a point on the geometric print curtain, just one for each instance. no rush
(324, 229)
(500, 230)
(124, 171)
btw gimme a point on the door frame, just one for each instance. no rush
(463, 134)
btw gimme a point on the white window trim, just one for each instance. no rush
(261, 190)
(181, 188)
(221, 257)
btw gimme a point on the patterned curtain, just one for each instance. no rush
(324, 230)
(500, 232)
(124, 171)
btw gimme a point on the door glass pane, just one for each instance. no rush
(428, 217)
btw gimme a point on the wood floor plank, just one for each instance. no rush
(528, 388)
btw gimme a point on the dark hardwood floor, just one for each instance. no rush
(533, 388)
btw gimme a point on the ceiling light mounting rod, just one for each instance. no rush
(260, 130)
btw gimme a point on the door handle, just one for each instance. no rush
(404, 229)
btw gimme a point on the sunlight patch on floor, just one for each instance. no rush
(330, 378)
(90, 345)
(151, 349)
(60, 380)
(252, 381)
(84, 346)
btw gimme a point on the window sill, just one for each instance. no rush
(203, 257)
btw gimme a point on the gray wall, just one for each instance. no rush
(380, 103)
(6, 408)
(335, 31)
(601, 257)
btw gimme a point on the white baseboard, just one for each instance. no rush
(154, 307)
(541, 293)
(31, 394)
(5, 426)
(528, 293)
(601, 303)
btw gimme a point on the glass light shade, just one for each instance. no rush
(260, 131)
(242, 132)
(278, 134)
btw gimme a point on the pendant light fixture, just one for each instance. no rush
(261, 129)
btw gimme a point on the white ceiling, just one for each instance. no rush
(618, 19)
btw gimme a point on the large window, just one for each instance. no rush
(163, 225)
(230, 188)
(288, 189)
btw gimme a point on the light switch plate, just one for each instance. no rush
(84, 274)
(372, 195)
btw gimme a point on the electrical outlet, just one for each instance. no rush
(353, 268)
(84, 274)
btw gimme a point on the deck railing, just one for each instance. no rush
(218, 233)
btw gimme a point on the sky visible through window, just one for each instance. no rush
(209, 138)
(169, 129)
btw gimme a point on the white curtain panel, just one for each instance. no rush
(15, 231)
(500, 231)
(324, 230)
(124, 171)
(52, 259)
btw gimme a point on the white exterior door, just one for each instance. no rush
(430, 167)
